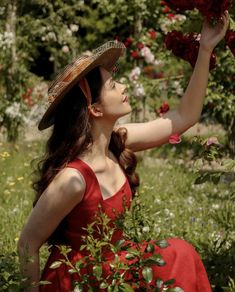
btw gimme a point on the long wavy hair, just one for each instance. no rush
(71, 136)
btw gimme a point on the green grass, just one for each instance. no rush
(201, 214)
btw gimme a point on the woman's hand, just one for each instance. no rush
(211, 36)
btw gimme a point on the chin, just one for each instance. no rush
(127, 112)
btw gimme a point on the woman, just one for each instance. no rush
(86, 146)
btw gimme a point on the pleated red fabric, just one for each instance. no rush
(182, 261)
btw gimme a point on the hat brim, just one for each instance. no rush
(107, 60)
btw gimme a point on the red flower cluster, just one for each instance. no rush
(186, 47)
(164, 108)
(180, 5)
(212, 8)
(209, 8)
(27, 97)
(152, 34)
(128, 42)
(230, 40)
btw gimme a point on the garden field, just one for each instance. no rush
(203, 214)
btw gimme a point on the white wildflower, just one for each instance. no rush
(51, 36)
(146, 229)
(74, 27)
(180, 17)
(147, 54)
(139, 91)
(135, 73)
(69, 32)
(216, 206)
(65, 49)
(13, 111)
(6, 40)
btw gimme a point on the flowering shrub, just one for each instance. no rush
(211, 9)
(186, 47)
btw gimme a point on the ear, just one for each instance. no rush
(95, 110)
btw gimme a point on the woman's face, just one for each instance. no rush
(114, 101)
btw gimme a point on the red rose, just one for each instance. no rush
(164, 108)
(134, 55)
(212, 8)
(175, 139)
(185, 47)
(152, 34)
(180, 5)
(171, 38)
(176, 42)
(128, 42)
(139, 46)
(230, 40)
(170, 16)
(166, 9)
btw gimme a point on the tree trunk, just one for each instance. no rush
(231, 137)
(11, 28)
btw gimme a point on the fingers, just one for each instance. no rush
(225, 18)
(223, 22)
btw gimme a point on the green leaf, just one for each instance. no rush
(159, 283)
(150, 248)
(118, 244)
(162, 243)
(201, 179)
(44, 282)
(126, 288)
(177, 289)
(103, 285)
(97, 271)
(156, 290)
(130, 256)
(147, 274)
(169, 282)
(55, 265)
(156, 259)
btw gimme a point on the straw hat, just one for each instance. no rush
(105, 56)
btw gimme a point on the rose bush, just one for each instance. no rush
(186, 47)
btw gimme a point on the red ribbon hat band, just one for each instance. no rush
(83, 84)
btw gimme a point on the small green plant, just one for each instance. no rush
(207, 151)
(129, 268)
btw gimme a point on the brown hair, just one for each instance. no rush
(71, 136)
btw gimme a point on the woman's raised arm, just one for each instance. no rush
(148, 135)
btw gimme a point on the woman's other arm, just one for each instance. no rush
(62, 195)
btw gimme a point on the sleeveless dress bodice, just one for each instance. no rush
(84, 213)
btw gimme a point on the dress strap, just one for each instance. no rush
(83, 169)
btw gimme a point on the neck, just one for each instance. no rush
(101, 134)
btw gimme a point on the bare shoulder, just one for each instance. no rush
(68, 181)
(64, 192)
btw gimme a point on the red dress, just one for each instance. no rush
(182, 261)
